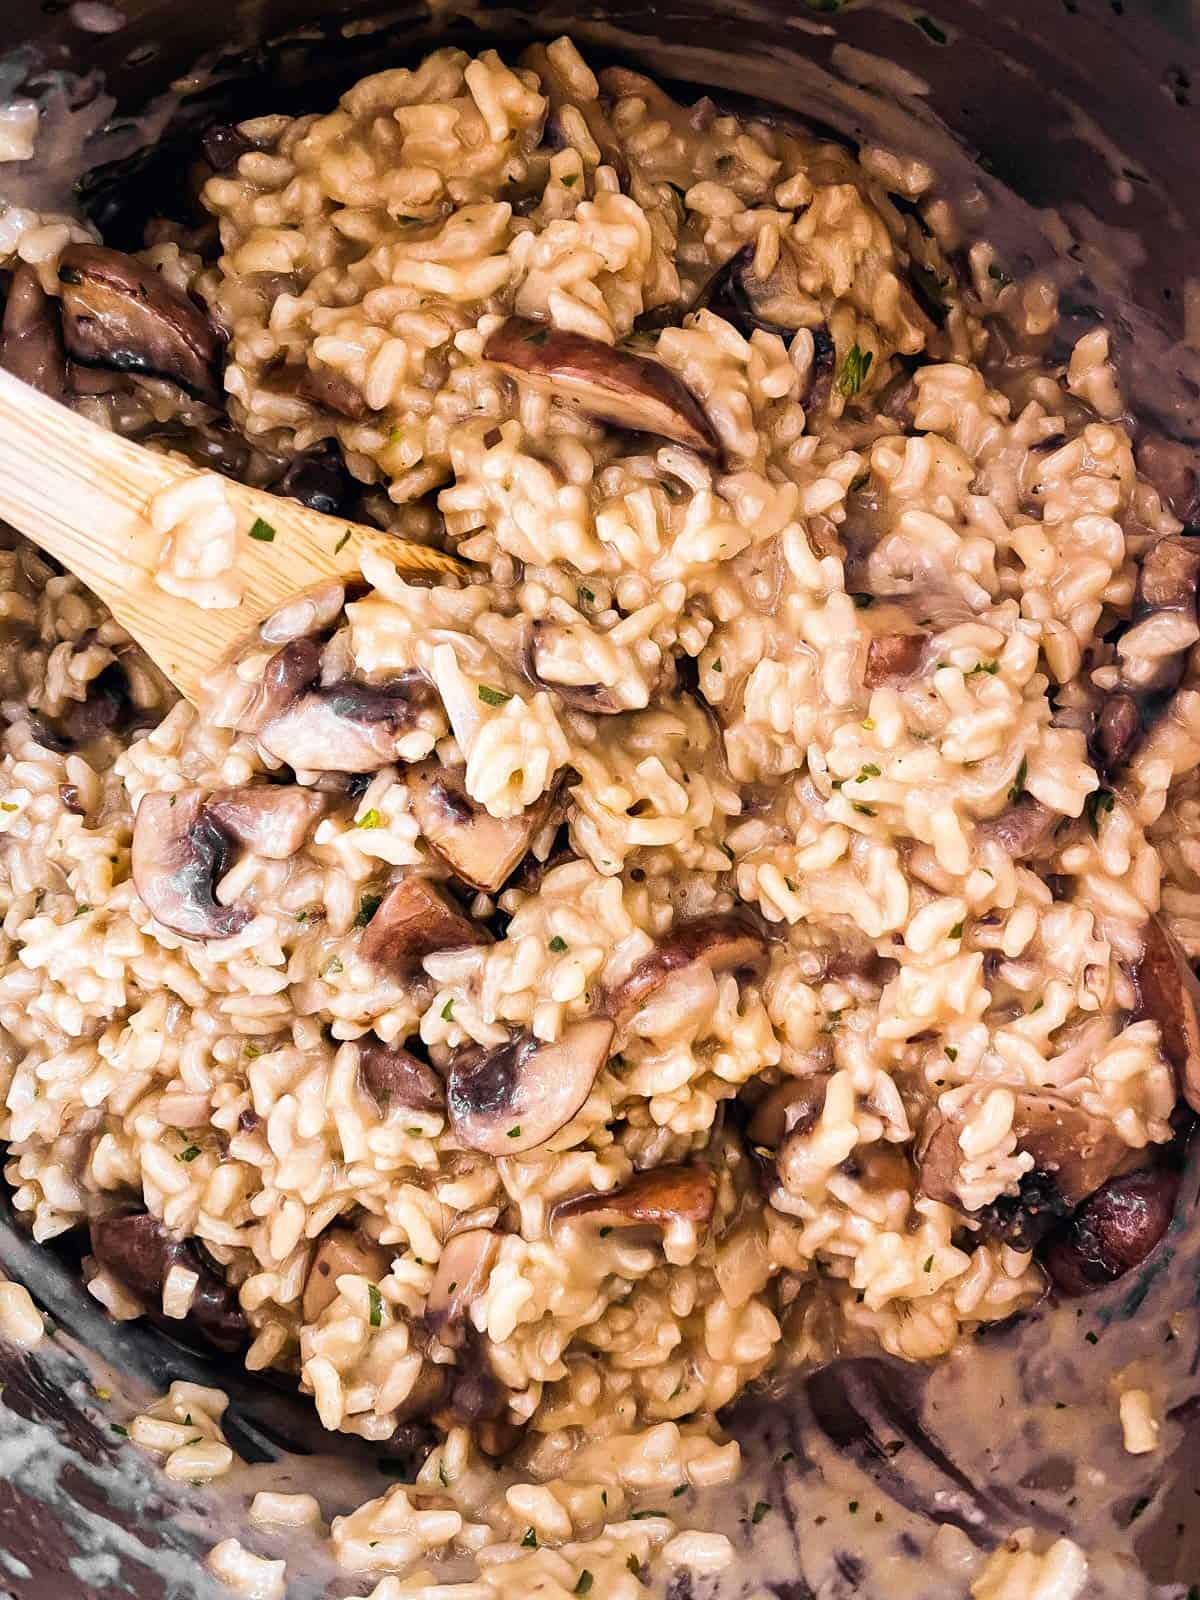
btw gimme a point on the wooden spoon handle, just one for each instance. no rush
(82, 494)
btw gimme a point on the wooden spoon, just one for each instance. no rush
(83, 494)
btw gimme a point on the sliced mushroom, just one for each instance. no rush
(347, 726)
(894, 658)
(340, 1253)
(1118, 730)
(612, 385)
(414, 919)
(321, 386)
(481, 849)
(396, 1080)
(1021, 830)
(1169, 994)
(1114, 1231)
(320, 481)
(1170, 465)
(291, 670)
(119, 313)
(179, 855)
(656, 1199)
(139, 1251)
(775, 304)
(31, 346)
(462, 1274)
(723, 942)
(516, 1096)
(1073, 1152)
(272, 819)
(597, 699)
(224, 146)
(796, 1103)
(1163, 626)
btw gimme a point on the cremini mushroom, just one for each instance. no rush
(397, 1080)
(893, 658)
(1152, 649)
(1169, 994)
(1113, 1231)
(139, 1252)
(516, 1095)
(183, 844)
(631, 391)
(347, 726)
(481, 849)
(117, 312)
(722, 942)
(657, 1198)
(1074, 1153)
(541, 668)
(1118, 729)
(341, 1252)
(319, 385)
(293, 668)
(461, 1277)
(1021, 829)
(31, 346)
(795, 1103)
(414, 919)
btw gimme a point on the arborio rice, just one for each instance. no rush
(736, 927)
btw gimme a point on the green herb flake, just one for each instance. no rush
(1098, 805)
(442, 1478)
(990, 667)
(118, 1429)
(869, 771)
(515, 1132)
(951, 1053)
(262, 531)
(539, 338)
(632, 1564)
(866, 811)
(7, 805)
(343, 542)
(81, 911)
(584, 1583)
(570, 180)
(930, 29)
(854, 371)
(761, 1507)
(1092, 1338)
(788, 1455)
(1138, 1507)
(189, 1155)
(928, 1267)
(529, 1542)
(605, 1231)
(375, 1302)
(370, 819)
(1018, 788)
(367, 907)
(956, 932)
(584, 596)
(448, 1011)
(332, 968)
(558, 944)
(640, 1516)
(678, 1490)
(863, 602)
(716, 666)
(493, 697)
(853, 1507)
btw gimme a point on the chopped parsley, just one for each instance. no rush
(442, 1478)
(332, 968)
(1099, 804)
(539, 338)
(262, 531)
(117, 1428)
(343, 542)
(930, 29)
(1018, 788)
(761, 1507)
(529, 1542)
(584, 1585)
(632, 1564)
(867, 811)
(716, 666)
(1138, 1507)
(558, 944)
(1092, 1338)
(951, 1053)
(869, 771)
(370, 819)
(493, 697)
(81, 911)
(190, 1154)
(676, 1492)
(570, 180)
(375, 1302)
(515, 1132)
(928, 1267)
(584, 596)
(854, 371)
(448, 1011)
(367, 907)
(863, 601)
(956, 932)
(852, 1507)
(990, 667)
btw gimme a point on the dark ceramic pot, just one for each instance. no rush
(1067, 131)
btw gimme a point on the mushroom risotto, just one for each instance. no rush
(746, 920)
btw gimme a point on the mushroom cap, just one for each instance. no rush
(656, 1198)
(1021, 829)
(347, 726)
(139, 1251)
(612, 385)
(414, 919)
(179, 854)
(519, 1094)
(595, 699)
(272, 819)
(1113, 1231)
(462, 1273)
(723, 942)
(481, 849)
(31, 345)
(1169, 994)
(397, 1080)
(341, 1252)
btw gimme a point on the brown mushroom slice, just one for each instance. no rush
(723, 942)
(1074, 1153)
(462, 1273)
(519, 1094)
(347, 726)
(1113, 1232)
(796, 1103)
(413, 920)
(396, 1080)
(272, 820)
(1169, 994)
(341, 1251)
(481, 849)
(1170, 466)
(596, 699)
(770, 305)
(1152, 649)
(1118, 731)
(612, 385)
(179, 856)
(118, 312)
(893, 658)
(1021, 830)
(319, 385)
(31, 346)
(293, 668)
(657, 1198)
(139, 1251)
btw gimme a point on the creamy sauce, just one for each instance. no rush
(874, 1480)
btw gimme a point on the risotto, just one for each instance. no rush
(747, 920)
